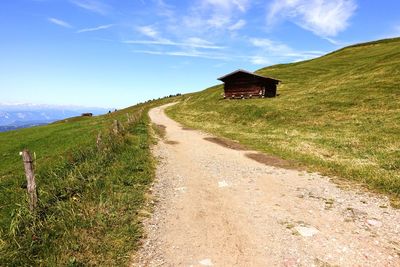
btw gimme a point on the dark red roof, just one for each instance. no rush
(223, 78)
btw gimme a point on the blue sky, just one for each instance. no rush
(115, 53)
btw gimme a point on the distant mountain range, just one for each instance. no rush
(14, 116)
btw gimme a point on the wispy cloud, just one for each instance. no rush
(338, 43)
(218, 21)
(220, 15)
(148, 31)
(187, 34)
(157, 44)
(238, 25)
(59, 22)
(270, 45)
(269, 49)
(201, 43)
(280, 48)
(165, 10)
(92, 5)
(332, 41)
(101, 27)
(324, 18)
(259, 60)
(266, 51)
(241, 5)
(157, 39)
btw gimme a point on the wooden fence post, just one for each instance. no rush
(30, 178)
(98, 141)
(117, 127)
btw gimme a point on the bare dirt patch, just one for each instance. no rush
(273, 161)
(226, 143)
(170, 142)
(187, 129)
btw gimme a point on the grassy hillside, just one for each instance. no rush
(338, 114)
(90, 198)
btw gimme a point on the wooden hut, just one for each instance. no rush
(244, 84)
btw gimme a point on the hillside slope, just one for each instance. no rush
(90, 196)
(338, 114)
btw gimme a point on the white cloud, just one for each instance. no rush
(218, 21)
(59, 22)
(101, 27)
(333, 41)
(187, 34)
(92, 5)
(165, 10)
(272, 51)
(157, 39)
(201, 43)
(215, 15)
(198, 41)
(266, 51)
(322, 17)
(259, 60)
(270, 45)
(148, 31)
(238, 25)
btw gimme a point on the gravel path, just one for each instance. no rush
(217, 207)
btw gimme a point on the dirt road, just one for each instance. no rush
(217, 207)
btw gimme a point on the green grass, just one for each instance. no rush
(90, 200)
(338, 114)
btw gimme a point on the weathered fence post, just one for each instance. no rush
(117, 128)
(30, 178)
(98, 141)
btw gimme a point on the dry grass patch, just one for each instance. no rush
(171, 142)
(187, 129)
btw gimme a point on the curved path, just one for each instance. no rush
(216, 207)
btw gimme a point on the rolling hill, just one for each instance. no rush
(338, 114)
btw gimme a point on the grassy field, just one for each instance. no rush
(338, 114)
(90, 199)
